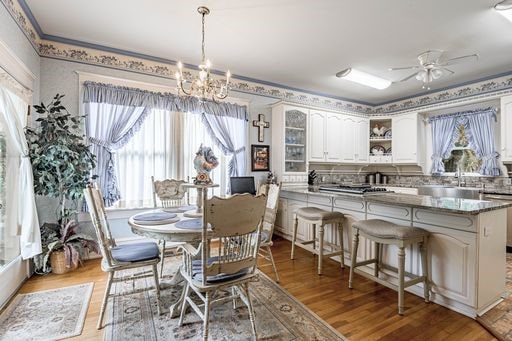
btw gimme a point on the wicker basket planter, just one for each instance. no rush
(58, 263)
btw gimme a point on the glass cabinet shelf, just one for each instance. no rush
(295, 141)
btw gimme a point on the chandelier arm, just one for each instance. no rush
(182, 89)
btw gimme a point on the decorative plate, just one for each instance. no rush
(388, 151)
(377, 150)
(388, 134)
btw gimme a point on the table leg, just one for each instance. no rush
(175, 308)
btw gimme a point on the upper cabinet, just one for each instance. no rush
(407, 141)
(289, 139)
(324, 136)
(506, 129)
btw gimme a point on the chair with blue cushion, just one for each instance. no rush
(169, 194)
(120, 257)
(272, 193)
(226, 257)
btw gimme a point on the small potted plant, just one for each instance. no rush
(62, 165)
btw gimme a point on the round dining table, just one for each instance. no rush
(170, 233)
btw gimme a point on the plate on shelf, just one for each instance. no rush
(377, 150)
(388, 134)
(388, 151)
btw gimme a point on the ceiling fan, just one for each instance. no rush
(433, 65)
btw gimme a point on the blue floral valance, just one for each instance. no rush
(133, 97)
(480, 131)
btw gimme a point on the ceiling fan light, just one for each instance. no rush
(505, 9)
(421, 76)
(364, 78)
(436, 73)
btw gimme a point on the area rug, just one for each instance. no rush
(498, 320)
(46, 315)
(278, 315)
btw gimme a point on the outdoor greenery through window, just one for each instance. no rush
(462, 156)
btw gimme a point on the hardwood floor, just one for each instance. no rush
(367, 312)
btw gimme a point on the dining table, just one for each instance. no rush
(171, 232)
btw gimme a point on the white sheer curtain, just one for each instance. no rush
(21, 213)
(153, 150)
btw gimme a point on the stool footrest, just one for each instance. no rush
(365, 262)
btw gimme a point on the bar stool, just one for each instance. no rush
(317, 216)
(384, 232)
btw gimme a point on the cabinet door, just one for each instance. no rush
(506, 128)
(362, 144)
(316, 136)
(281, 223)
(333, 129)
(348, 133)
(405, 139)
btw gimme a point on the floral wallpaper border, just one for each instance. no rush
(484, 89)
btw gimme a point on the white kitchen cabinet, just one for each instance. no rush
(407, 142)
(324, 136)
(289, 143)
(506, 129)
(303, 230)
(354, 139)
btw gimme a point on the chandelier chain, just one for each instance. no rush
(202, 41)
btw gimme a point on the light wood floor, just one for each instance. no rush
(367, 312)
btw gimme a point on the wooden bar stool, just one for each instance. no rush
(317, 216)
(384, 232)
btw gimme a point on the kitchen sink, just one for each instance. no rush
(449, 191)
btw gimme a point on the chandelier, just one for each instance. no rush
(204, 85)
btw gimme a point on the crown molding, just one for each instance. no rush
(76, 51)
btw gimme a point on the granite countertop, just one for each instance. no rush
(450, 205)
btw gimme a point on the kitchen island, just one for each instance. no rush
(466, 252)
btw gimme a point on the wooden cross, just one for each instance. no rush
(261, 124)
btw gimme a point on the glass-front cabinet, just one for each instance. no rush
(289, 142)
(295, 140)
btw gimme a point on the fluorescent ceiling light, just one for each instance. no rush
(505, 9)
(364, 78)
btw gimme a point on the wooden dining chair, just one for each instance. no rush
(228, 262)
(120, 257)
(168, 193)
(271, 191)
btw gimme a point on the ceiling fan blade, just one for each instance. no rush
(408, 77)
(457, 60)
(446, 69)
(403, 68)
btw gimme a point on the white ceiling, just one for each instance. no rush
(297, 43)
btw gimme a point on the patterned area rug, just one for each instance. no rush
(278, 315)
(498, 320)
(46, 315)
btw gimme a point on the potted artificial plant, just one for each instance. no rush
(61, 164)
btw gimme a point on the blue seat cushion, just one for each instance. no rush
(135, 252)
(220, 278)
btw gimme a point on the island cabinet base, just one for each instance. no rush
(466, 253)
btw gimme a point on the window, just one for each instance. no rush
(462, 156)
(164, 147)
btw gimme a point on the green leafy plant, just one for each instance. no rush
(62, 165)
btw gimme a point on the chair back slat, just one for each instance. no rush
(99, 219)
(236, 224)
(168, 193)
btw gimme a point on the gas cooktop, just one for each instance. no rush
(354, 189)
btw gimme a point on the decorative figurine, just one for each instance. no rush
(271, 178)
(204, 162)
(378, 129)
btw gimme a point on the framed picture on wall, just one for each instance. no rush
(260, 158)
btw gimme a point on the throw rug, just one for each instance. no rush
(46, 315)
(498, 320)
(278, 315)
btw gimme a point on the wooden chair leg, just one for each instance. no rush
(376, 250)
(342, 256)
(273, 263)
(105, 300)
(314, 236)
(251, 312)
(401, 279)
(157, 287)
(424, 267)
(320, 248)
(162, 257)
(353, 257)
(184, 304)
(294, 236)
(206, 315)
